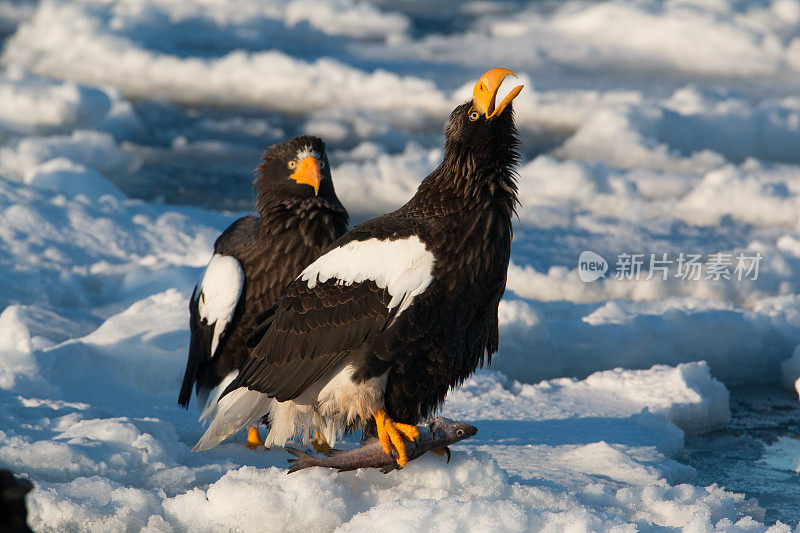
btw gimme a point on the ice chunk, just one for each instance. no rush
(63, 176)
(16, 354)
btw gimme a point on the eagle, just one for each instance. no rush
(255, 258)
(398, 310)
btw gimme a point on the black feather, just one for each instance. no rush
(462, 213)
(262, 323)
(13, 512)
(293, 227)
(199, 338)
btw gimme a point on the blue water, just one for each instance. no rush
(758, 455)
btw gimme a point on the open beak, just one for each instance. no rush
(307, 172)
(485, 92)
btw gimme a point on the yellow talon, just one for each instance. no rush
(320, 444)
(380, 420)
(254, 439)
(391, 433)
(440, 451)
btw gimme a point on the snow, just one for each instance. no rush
(647, 127)
(17, 358)
(121, 57)
(95, 150)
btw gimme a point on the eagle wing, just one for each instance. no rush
(340, 302)
(211, 311)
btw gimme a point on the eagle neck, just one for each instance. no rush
(317, 221)
(468, 203)
(467, 183)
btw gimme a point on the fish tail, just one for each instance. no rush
(301, 460)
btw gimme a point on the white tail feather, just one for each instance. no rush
(210, 405)
(329, 405)
(234, 411)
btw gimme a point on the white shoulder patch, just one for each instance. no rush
(404, 267)
(219, 293)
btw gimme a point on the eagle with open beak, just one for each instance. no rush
(398, 310)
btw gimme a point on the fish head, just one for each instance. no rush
(451, 431)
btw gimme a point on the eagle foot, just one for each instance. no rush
(320, 444)
(254, 440)
(391, 434)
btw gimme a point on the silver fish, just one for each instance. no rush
(434, 435)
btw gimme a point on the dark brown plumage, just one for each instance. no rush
(401, 308)
(13, 512)
(464, 220)
(293, 227)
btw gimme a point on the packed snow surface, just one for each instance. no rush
(661, 136)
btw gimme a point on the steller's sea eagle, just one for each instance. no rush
(399, 309)
(255, 259)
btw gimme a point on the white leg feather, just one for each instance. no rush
(286, 420)
(329, 405)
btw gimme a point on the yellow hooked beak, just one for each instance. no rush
(485, 92)
(307, 172)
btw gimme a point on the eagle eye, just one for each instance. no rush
(291, 165)
(474, 115)
(459, 433)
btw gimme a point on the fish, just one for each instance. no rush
(434, 435)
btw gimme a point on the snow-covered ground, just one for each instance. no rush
(648, 127)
